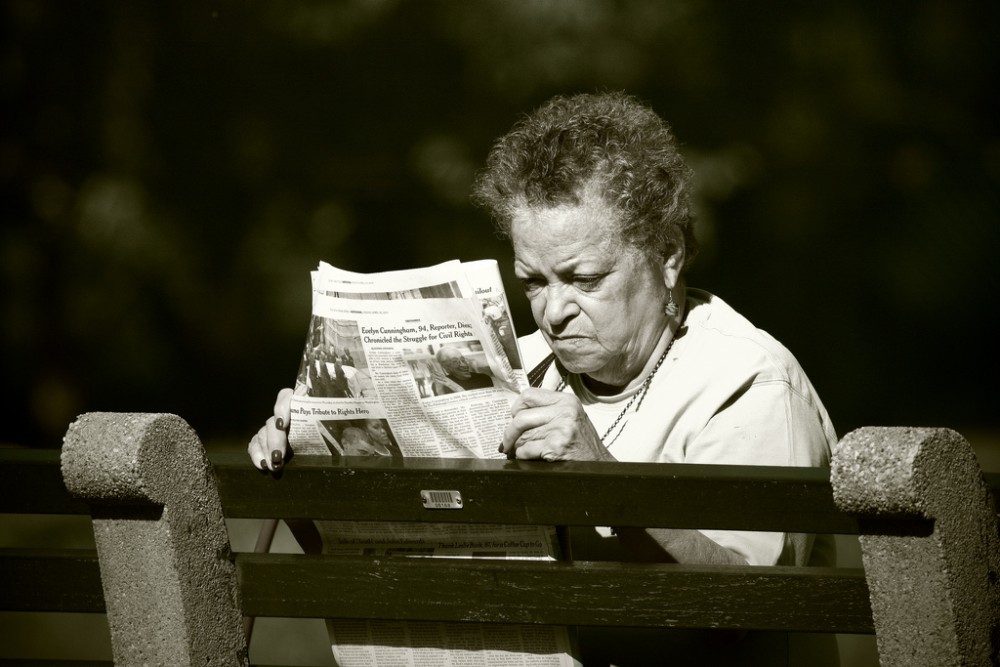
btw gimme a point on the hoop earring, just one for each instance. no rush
(670, 310)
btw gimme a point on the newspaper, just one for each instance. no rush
(387, 340)
(418, 363)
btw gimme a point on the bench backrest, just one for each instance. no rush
(916, 496)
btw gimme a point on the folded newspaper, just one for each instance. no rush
(420, 362)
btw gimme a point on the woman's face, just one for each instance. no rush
(376, 432)
(598, 302)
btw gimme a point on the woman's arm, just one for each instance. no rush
(672, 545)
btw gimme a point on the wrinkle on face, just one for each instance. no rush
(597, 300)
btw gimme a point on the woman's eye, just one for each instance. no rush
(531, 285)
(587, 283)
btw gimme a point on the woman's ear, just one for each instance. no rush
(672, 266)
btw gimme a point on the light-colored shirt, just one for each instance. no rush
(727, 393)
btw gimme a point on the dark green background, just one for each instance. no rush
(171, 171)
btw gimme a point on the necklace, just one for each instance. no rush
(637, 397)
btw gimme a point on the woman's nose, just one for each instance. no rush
(559, 305)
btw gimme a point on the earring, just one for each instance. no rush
(671, 308)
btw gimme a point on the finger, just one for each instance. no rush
(553, 445)
(534, 408)
(283, 408)
(522, 423)
(551, 441)
(534, 397)
(257, 449)
(277, 445)
(536, 450)
(543, 445)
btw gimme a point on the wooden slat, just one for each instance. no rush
(50, 580)
(581, 593)
(568, 493)
(993, 483)
(525, 492)
(33, 483)
(45, 662)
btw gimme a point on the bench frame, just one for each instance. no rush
(173, 590)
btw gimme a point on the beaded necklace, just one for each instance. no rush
(637, 396)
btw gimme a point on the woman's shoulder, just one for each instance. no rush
(733, 342)
(729, 355)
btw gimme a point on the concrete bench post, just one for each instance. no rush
(169, 584)
(935, 599)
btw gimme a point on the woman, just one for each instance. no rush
(634, 366)
(594, 196)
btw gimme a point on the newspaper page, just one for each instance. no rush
(414, 340)
(420, 362)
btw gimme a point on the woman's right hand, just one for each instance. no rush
(269, 447)
(551, 426)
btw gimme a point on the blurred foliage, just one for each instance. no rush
(172, 171)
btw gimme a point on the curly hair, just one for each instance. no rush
(551, 156)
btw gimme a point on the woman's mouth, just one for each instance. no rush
(566, 338)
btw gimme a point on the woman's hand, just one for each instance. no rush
(551, 426)
(268, 448)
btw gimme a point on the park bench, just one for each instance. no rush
(41, 575)
(175, 594)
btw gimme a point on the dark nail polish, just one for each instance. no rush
(276, 458)
(263, 464)
(280, 423)
(500, 448)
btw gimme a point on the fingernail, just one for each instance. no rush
(263, 464)
(280, 423)
(500, 448)
(276, 458)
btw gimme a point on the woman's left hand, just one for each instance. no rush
(551, 426)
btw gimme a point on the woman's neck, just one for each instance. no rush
(600, 388)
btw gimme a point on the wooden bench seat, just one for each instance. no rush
(130, 467)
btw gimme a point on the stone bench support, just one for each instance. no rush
(169, 582)
(935, 598)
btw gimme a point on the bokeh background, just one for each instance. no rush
(172, 171)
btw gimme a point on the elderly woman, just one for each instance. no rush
(629, 363)
(594, 196)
